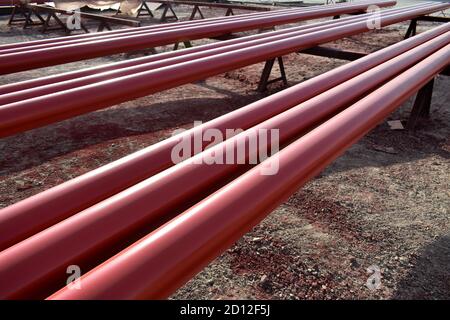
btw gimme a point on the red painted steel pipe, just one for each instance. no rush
(77, 39)
(161, 262)
(40, 44)
(27, 114)
(84, 236)
(119, 32)
(177, 26)
(20, 220)
(165, 59)
(114, 33)
(21, 61)
(13, 88)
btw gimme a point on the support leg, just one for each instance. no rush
(421, 107)
(194, 11)
(60, 25)
(103, 25)
(229, 12)
(146, 9)
(20, 10)
(165, 17)
(13, 14)
(28, 20)
(84, 27)
(187, 44)
(264, 80)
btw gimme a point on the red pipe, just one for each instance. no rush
(161, 262)
(18, 221)
(29, 84)
(82, 238)
(113, 33)
(21, 61)
(163, 60)
(117, 34)
(28, 114)
(167, 27)
(159, 27)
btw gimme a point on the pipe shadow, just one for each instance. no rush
(430, 277)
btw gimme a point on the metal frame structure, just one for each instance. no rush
(265, 75)
(144, 10)
(21, 10)
(52, 14)
(412, 28)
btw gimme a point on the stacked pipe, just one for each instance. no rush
(77, 195)
(117, 33)
(175, 25)
(164, 260)
(204, 49)
(20, 57)
(88, 236)
(23, 110)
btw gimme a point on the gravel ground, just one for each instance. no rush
(384, 203)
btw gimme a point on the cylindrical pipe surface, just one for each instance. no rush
(161, 262)
(83, 236)
(42, 210)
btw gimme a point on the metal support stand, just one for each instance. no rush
(102, 26)
(421, 107)
(165, 17)
(412, 29)
(333, 53)
(144, 11)
(229, 12)
(62, 26)
(23, 11)
(187, 44)
(264, 80)
(59, 24)
(194, 12)
(262, 30)
(422, 103)
(27, 16)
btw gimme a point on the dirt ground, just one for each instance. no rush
(384, 203)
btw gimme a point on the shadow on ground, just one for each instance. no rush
(430, 276)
